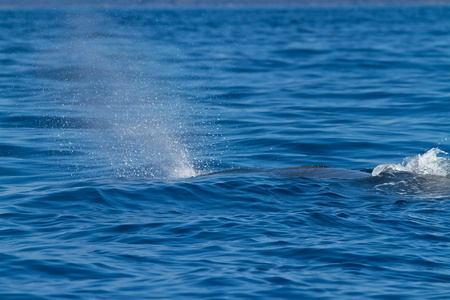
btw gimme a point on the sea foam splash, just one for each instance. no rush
(428, 163)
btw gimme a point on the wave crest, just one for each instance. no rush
(428, 163)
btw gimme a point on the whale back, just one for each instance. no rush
(305, 171)
(319, 172)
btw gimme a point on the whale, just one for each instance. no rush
(323, 172)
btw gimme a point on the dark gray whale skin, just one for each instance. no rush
(305, 171)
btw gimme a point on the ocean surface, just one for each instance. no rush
(143, 153)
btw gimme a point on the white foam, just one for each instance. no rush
(181, 166)
(428, 163)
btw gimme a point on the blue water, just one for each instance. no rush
(115, 126)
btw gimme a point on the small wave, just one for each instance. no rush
(428, 163)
